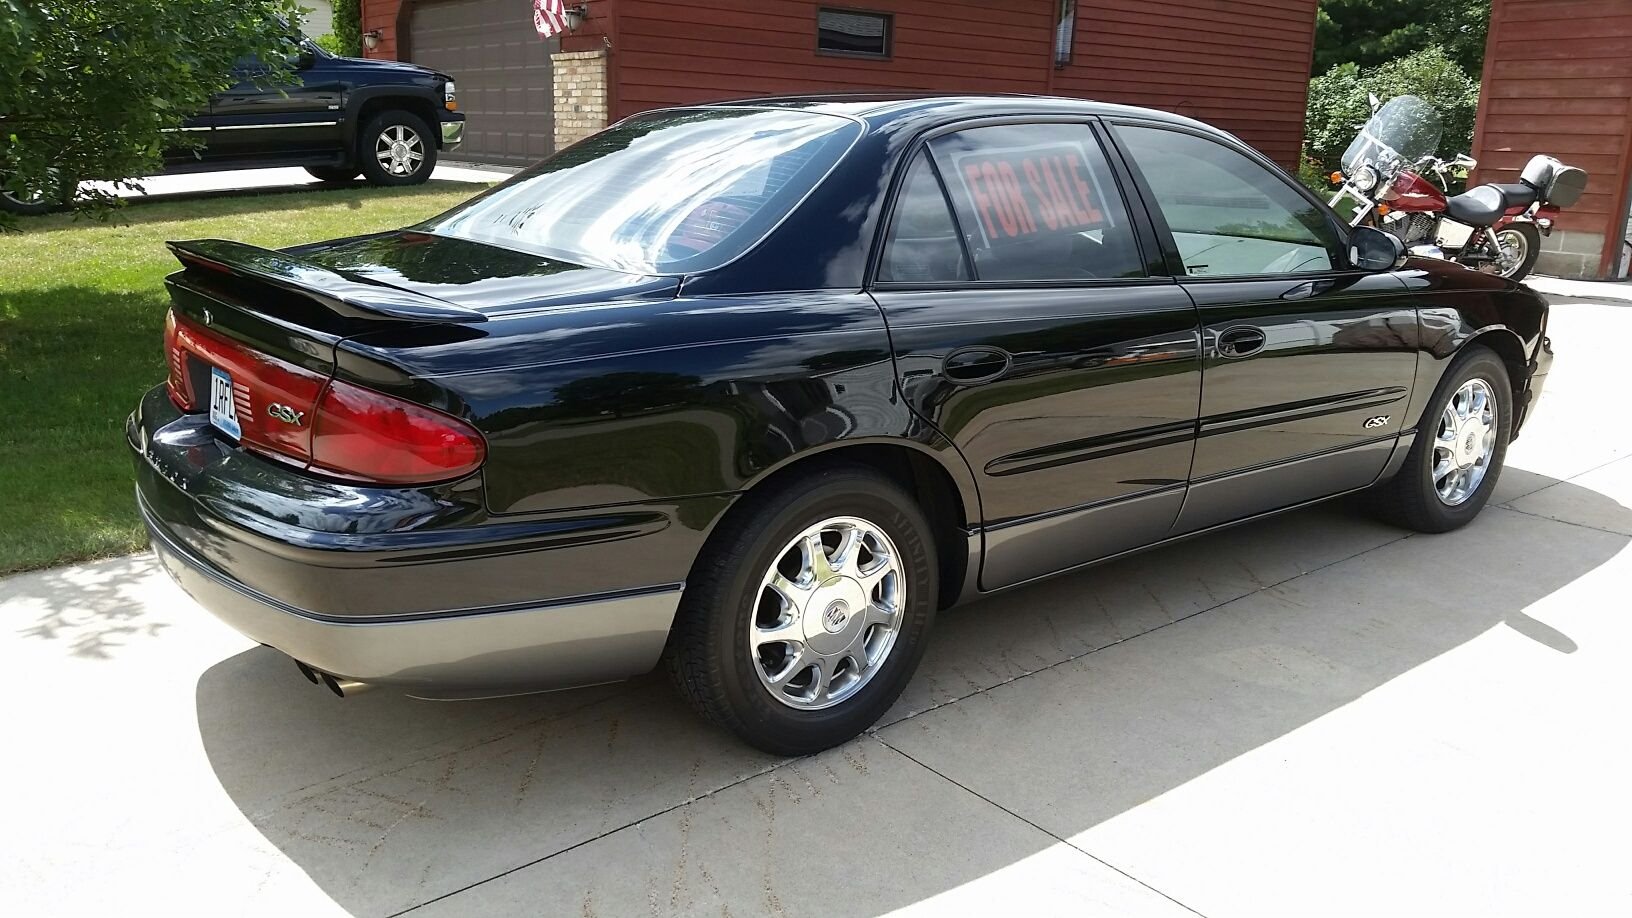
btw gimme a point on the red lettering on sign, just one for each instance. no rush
(1056, 192)
(1086, 191)
(1044, 203)
(995, 190)
(1011, 186)
(983, 203)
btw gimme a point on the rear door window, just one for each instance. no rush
(923, 245)
(1038, 202)
(1229, 216)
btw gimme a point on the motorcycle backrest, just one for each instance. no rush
(1559, 185)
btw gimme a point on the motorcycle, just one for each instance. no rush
(1494, 228)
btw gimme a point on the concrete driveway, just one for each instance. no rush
(195, 184)
(1313, 715)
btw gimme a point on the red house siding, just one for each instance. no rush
(1558, 80)
(1240, 64)
(678, 51)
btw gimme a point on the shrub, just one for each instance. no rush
(1338, 103)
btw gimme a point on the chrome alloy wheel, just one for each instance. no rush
(1512, 248)
(827, 613)
(1464, 442)
(400, 150)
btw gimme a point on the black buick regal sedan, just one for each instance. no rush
(755, 389)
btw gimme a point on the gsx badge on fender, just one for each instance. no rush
(1375, 422)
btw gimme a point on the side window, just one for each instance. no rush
(1229, 216)
(1037, 202)
(923, 245)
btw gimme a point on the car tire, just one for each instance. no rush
(333, 173)
(725, 652)
(1454, 438)
(381, 136)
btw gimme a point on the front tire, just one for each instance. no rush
(1460, 446)
(808, 611)
(396, 148)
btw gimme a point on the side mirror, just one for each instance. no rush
(1465, 161)
(1371, 249)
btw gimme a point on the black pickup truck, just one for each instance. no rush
(341, 118)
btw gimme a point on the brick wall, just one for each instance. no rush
(580, 95)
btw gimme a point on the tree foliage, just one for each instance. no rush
(94, 90)
(1338, 103)
(1369, 33)
(348, 27)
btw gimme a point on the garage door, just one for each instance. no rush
(502, 68)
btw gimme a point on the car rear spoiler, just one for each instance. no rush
(341, 292)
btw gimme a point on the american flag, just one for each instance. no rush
(549, 17)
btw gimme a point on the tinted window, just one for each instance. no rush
(670, 192)
(853, 32)
(1229, 215)
(1038, 202)
(923, 244)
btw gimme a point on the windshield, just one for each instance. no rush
(1403, 131)
(672, 192)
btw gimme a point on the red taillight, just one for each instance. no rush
(304, 418)
(359, 433)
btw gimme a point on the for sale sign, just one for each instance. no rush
(1024, 191)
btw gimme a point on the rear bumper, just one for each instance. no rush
(401, 587)
(471, 653)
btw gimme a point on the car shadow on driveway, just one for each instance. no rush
(1066, 703)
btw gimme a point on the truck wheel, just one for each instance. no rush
(333, 173)
(808, 611)
(396, 148)
(30, 202)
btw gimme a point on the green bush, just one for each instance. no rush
(1338, 103)
(329, 43)
(348, 28)
(97, 90)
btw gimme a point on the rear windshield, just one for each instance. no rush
(673, 192)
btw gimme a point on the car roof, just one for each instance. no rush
(880, 109)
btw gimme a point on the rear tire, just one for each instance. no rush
(333, 173)
(750, 656)
(1526, 239)
(1424, 494)
(396, 148)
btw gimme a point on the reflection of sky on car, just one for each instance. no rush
(622, 207)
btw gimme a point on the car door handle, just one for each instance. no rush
(1308, 289)
(971, 366)
(1240, 341)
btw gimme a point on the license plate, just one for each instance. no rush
(223, 413)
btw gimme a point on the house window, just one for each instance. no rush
(1065, 30)
(853, 32)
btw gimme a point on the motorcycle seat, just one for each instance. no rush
(1481, 206)
(1520, 195)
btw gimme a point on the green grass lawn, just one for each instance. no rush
(81, 321)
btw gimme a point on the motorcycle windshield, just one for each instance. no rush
(1401, 132)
